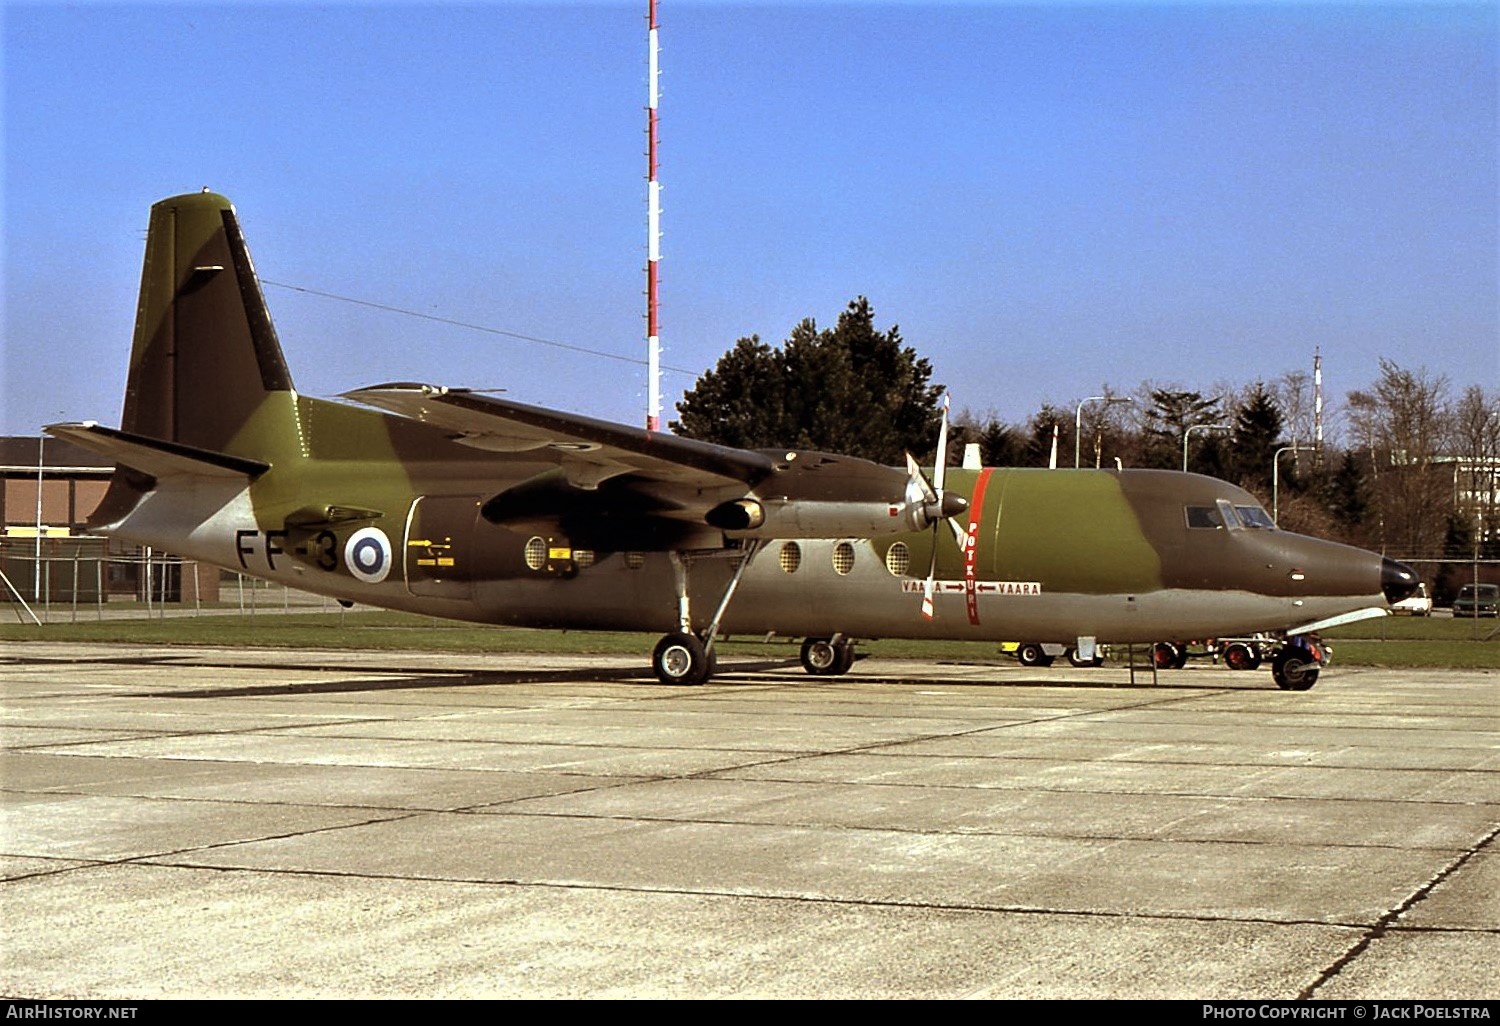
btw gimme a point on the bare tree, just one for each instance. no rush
(1474, 441)
(1293, 393)
(1404, 420)
(1107, 430)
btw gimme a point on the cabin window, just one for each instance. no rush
(898, 559)
(791, 557)
(843, 558)
(635, 560)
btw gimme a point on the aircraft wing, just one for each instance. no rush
(610, 486)
(588, 451)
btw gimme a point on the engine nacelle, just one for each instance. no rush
(812, 518)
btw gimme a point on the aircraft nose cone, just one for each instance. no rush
(1397, 580)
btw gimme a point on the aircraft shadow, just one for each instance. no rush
(441, 679)
(779, 671)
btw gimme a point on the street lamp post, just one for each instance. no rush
(1107, 400)
(41, 449)
(1276, 478)
(1190, 430)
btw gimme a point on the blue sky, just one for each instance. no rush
(1046, 197)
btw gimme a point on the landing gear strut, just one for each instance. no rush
(683, 657)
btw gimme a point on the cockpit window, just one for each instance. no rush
(1204, 516)
(1224, 514)
(1254, 516)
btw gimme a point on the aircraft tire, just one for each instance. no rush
(1165, 655)
(1294, 670)
(1031, 653)
(1240, 656)
(846, 658)
(822, 658)
(682, 659)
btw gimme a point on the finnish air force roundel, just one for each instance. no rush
(367, 554)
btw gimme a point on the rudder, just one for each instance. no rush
(205, 355)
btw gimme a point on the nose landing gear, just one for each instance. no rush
(1295, 667)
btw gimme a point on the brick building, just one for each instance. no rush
(73, 563)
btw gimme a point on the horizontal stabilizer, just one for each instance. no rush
(156, 457)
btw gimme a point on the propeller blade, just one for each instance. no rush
(929, 585)
(961, 539)
(941, 509)
(940, 460)
(929, 497)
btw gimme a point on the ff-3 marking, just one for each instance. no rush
(322, 549)
(270, 545)
(326, 548)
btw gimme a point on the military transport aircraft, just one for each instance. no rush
(456, 504)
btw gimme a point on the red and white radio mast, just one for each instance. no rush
(653, 238)
(1318, 405)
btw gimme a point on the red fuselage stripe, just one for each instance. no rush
(971, 546)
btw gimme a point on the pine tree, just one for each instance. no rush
(850, 389)
(1349, 497)
(1167, 419)
(1257, 436)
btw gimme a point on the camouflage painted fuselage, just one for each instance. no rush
(484, 510)
(1056, 555)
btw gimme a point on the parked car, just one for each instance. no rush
(1477, 600)
(1419, 604)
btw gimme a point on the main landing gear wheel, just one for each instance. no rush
(1032, 654)
(824, 657)
(1294, 669)
(682, 659)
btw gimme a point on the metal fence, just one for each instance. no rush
(83, 582)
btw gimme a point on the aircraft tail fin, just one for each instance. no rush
(205, 357)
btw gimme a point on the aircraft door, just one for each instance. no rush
(439, 545)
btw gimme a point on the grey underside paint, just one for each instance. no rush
(871, 603)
